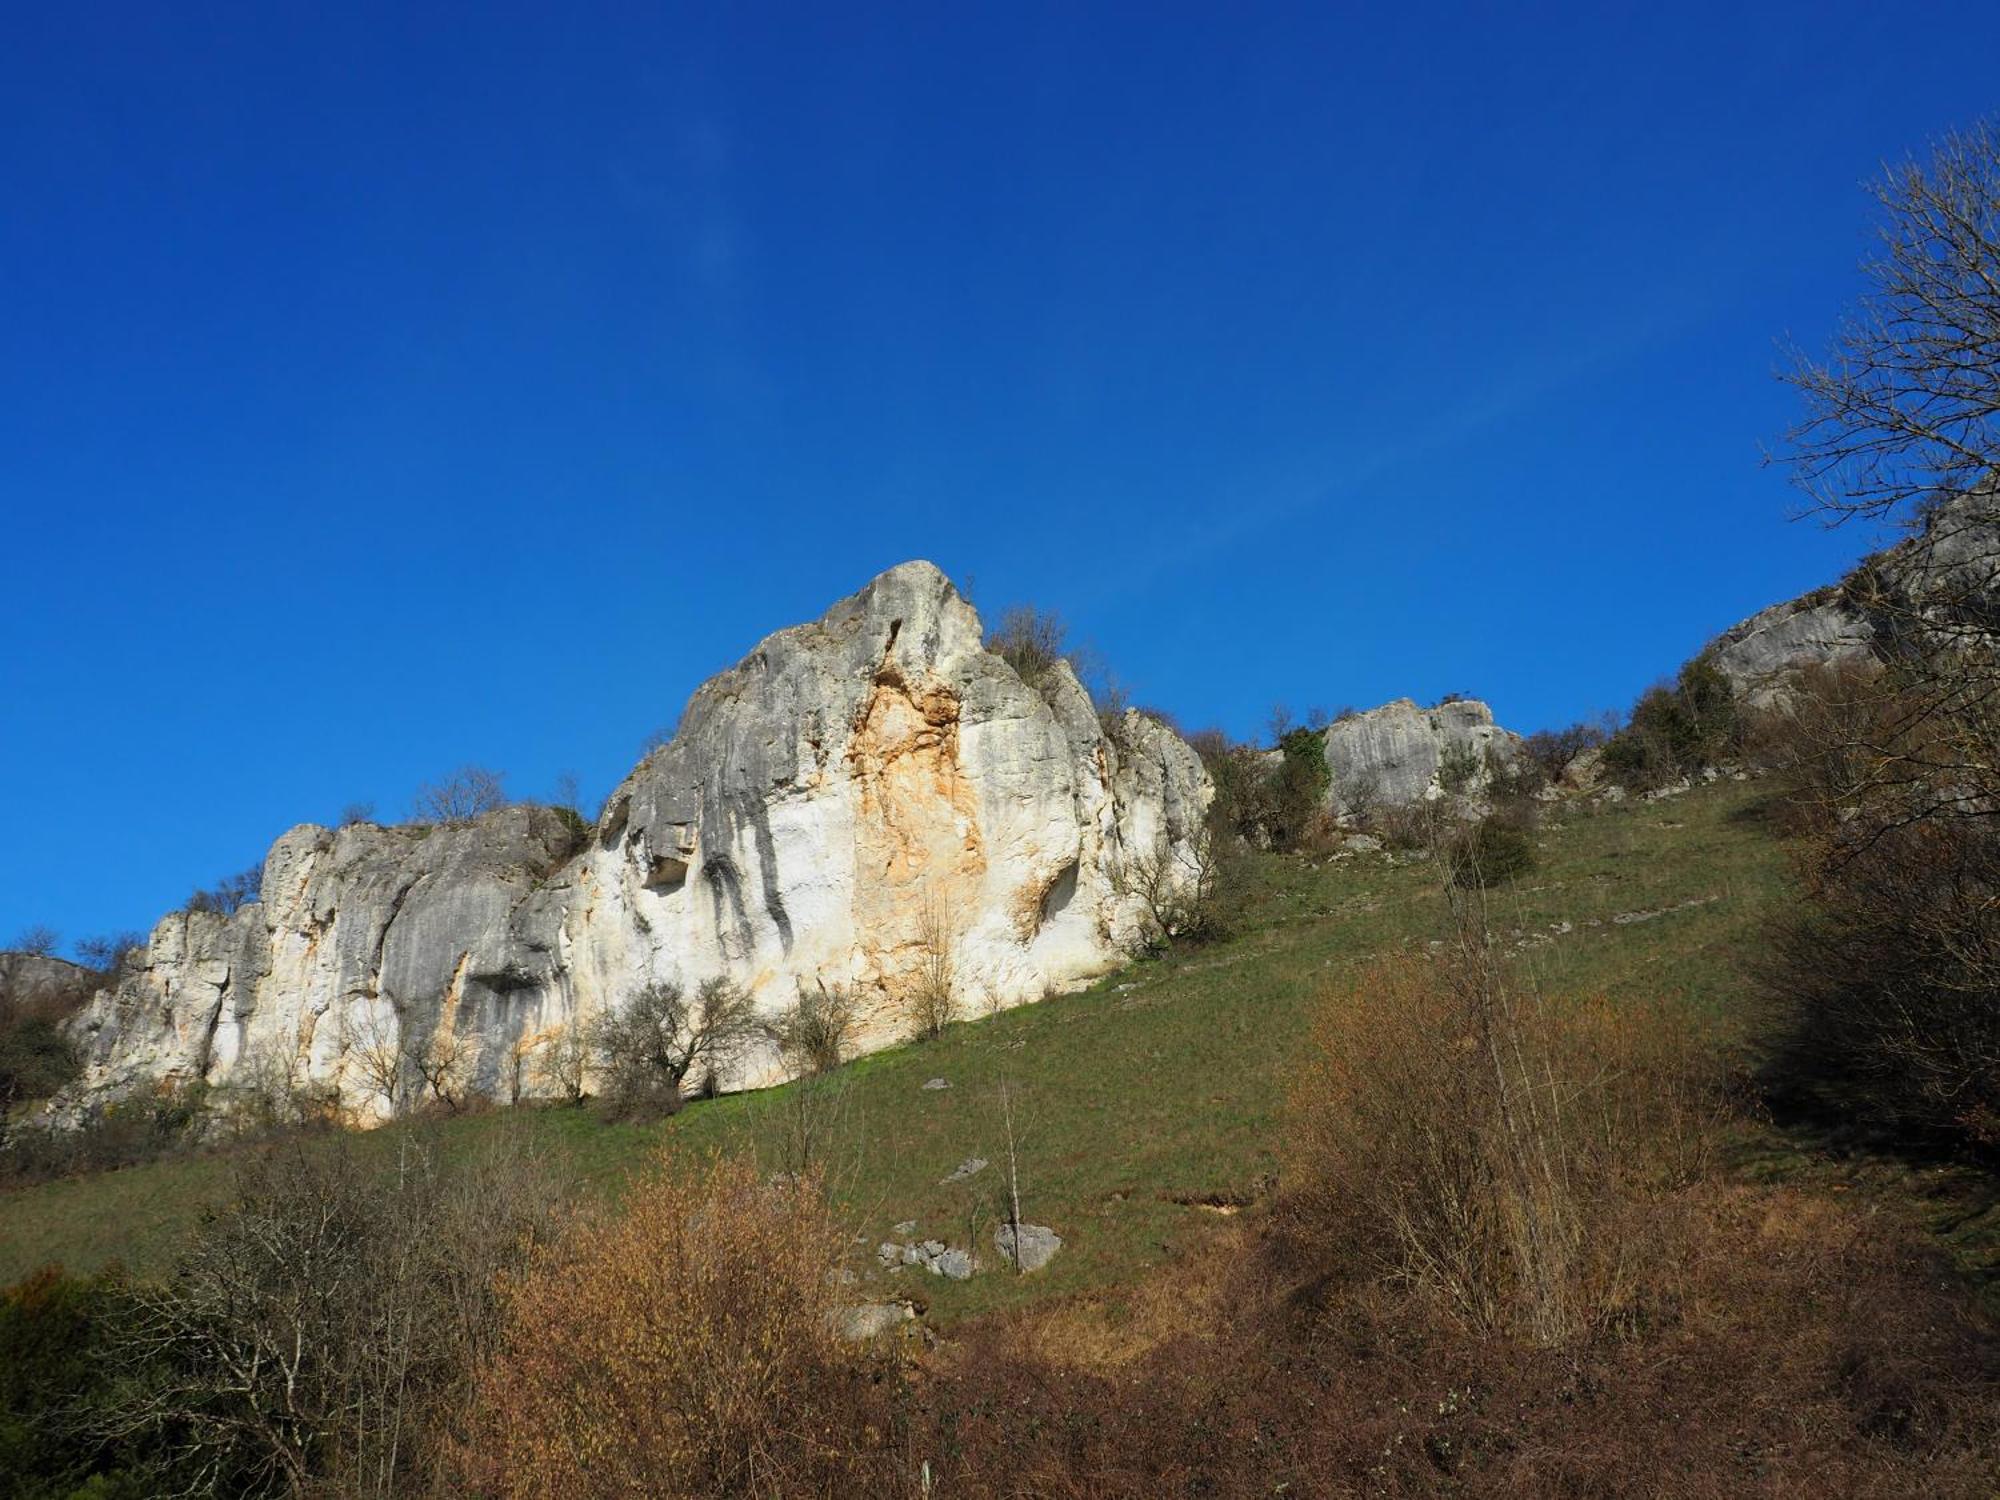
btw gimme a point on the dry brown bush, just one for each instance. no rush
(1478, 1141)
(682, 1347)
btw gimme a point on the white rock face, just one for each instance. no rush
(855, 792)
(1399, 754)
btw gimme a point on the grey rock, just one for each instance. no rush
(1361, 843)
(35, 979)
(1037, 1245)
(1392, 756)
(937, 1083)
(908, 1226)
(1938, 581)
(954, 1265)
(965, 1169)
(871, 1320)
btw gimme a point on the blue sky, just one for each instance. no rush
(387, 387)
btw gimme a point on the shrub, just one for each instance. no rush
(649, 1047)
(684, 1346)
(1676, 730)
(54, 1331)
(1032, 640)
(230, 893)
(1473, 1142)
(1883, 979)
(1541, 760)
(1492, 852)
(36, 1060)
(319, 1332)
(811, 1035)
(465, 794)
(931, 1001)
(1458, 768)
(1281, 804)
(139, 1128)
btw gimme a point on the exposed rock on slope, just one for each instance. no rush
(35, 979)
(1940, 584)
(1399, 754)
(1763, 653)
(853, 788)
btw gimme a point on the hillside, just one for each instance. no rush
(1148, 1096)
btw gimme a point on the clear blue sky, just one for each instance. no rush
(386, 387)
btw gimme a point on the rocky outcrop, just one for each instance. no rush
(36, 980)
(1762, 656)
(1937, 585)
(857, 796)
(1401, 754)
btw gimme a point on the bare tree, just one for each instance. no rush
(321, 1332)
(1013, 1172)
(357, 812)
(811, 1123)
(1175, 889)
(40, 940)
(443, 1065)
(107, 954)
(661, 1036)
(933, 997)
(564, 1061)
(465, 794)
(230, 893)
(376, 1056)
(1906, 408)
(1902, 425)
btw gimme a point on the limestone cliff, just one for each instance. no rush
(850, 786)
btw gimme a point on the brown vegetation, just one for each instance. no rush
(683, 1347)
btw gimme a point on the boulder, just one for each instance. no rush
(1034, 1247)
(954, 1265)
(871, 1320)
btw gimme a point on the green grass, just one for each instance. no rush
(1160, 1086)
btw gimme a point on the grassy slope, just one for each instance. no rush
(1162, 1083)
